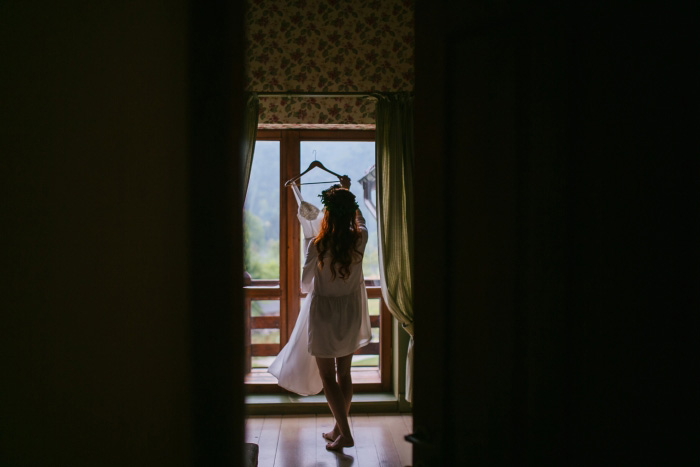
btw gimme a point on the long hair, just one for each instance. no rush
(339, 233)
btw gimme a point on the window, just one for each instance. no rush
(273, 246)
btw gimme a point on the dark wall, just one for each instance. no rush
(632, 250)
(95, 145)
(556, 261)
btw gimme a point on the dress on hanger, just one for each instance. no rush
(309, 216)
(334, 318)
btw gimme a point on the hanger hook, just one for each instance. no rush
(314, 154)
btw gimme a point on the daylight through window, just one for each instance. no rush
(273, 245)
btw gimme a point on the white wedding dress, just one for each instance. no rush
(334, 318)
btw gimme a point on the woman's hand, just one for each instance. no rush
(345, 182)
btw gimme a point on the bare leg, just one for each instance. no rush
(345, 379)
(343, 366)
(336, 402)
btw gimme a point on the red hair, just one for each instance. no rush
(339, 234)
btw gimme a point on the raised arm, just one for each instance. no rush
(307, 275)
(360, 220)
(361, 224)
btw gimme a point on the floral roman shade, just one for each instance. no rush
(328, 46)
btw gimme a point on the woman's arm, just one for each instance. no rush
(360, 220)
(307, 275)
(362, 227)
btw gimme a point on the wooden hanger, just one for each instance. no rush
(313, 165)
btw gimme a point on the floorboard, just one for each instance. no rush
(253, 427)
(324, 458)
(397, 428)
(364, 442)
(269, 436)
(296, 441)
(408, 420)
(348, 456)
(384, 441)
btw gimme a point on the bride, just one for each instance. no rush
(334, 320)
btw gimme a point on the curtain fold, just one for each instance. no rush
(394, 153)
(250, 128)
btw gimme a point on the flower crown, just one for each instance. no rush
(339, 205)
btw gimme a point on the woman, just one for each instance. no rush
(338, 315)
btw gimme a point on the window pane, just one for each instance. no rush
(264, 336)
(262, 213)
(261, 362)
(265, 308)
(264, 314)
(373, 305)
(365, 360)
(351, 158)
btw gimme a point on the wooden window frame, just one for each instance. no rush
(290, 257)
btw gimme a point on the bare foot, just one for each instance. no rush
(340, 443)
(332, 435)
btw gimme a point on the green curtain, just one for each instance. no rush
(394, 153)
(250, 128)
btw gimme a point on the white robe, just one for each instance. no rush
(333, 320)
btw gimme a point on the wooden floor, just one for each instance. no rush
(296, 440)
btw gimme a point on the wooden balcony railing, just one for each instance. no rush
(269, 290)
